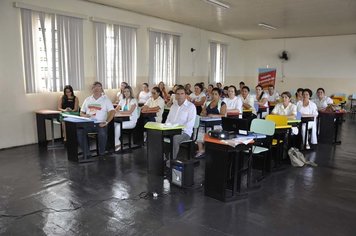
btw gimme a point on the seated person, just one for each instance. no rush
(188, 89)
(155, 104)
(99, 108)
(198, 98)
(128, 106)
(220, 87)
(285, 108)
(120, 94)
(248, 102)
(164, 92)
(322, 101)
(182, 112)
(241, 84)
(225, 92)
(68, 104)
(214, 108)
(298, 96)
(308, 108)
(261, 99)
(144, 94)
(233, 103)
(172, 95)
(273, 95)
(208, 92)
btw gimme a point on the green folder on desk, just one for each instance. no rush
(290, 122)
(160, 126)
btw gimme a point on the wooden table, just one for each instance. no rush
(41, 117)
(326, 120)
(305, 119)
(119, 118)
(209, 122)
(220, 157)
(72, 126)
(156, 132)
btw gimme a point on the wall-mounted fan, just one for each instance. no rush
(284, 56)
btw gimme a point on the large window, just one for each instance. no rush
(53, 51)
(218, 55)
(115, 55)
(163, 58)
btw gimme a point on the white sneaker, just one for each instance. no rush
(307, 146)
(117, 148)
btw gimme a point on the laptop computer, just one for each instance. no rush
(235, 125)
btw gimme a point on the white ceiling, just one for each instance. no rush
(293, 18)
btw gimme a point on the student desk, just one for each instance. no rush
(119, 118)
(219, 158)
(72, 125)
(305, 119)
(155, 143)
(165, 114)
(138, 137)
(261, 109)
(282, 136)
(326, 120)
(246, 113)
(209, 122)
(41, 117)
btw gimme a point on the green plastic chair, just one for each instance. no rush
(267, 128)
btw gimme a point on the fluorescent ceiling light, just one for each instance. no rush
(267, 26)
(218, 3)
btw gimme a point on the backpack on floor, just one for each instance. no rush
(297, 158)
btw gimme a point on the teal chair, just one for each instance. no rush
(262, 147)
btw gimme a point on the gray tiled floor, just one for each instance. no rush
(41, 193)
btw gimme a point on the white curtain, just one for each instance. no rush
(128, 52)
(70, 51)
(28, 53)
(163, 58)
(116, 54)
(218, 61)
(53, 51)
(100, 36)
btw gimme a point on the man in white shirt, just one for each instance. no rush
(273, 96)
(322, 101)
(99, 108)
(184, 113)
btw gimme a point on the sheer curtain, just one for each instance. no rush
(116, 54)
(32, 85)
(53, 51)
(163, 58)
(218, 61)
(70, 51)
(100, 36)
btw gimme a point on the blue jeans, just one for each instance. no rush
(82, 135)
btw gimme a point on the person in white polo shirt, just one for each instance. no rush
(184, 113)
(99, 108)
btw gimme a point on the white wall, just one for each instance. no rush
(17, 122)
(328, 62)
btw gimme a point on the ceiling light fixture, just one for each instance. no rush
(267, 26)
(218, 3)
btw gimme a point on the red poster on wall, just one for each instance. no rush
(266, 76)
